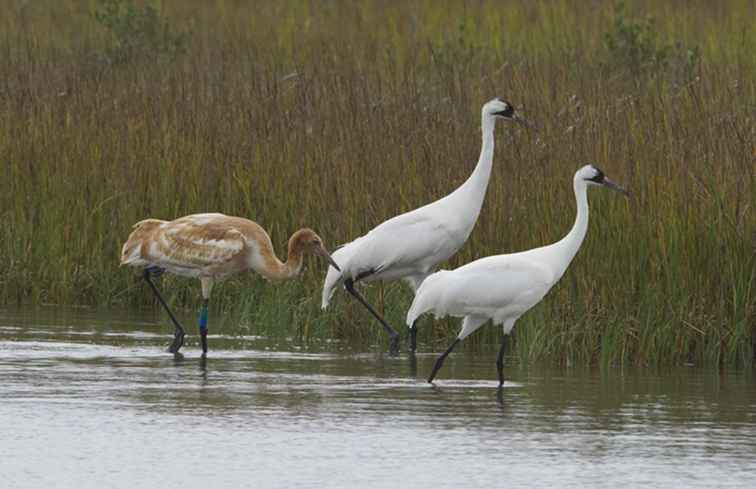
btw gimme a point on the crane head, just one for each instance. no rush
(501, 109)
(307, 241)
(594, 176)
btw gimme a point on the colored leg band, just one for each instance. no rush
(203, 320)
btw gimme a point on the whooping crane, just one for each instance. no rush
(503, 287)
(212, 247)
(410, 246)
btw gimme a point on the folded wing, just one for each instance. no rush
(190, 243)
(495, 287)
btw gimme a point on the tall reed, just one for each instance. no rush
(339, 115)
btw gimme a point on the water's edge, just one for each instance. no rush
(92, 399)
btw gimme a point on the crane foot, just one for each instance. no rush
(394, 345)
(178, 342)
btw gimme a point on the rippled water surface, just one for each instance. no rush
(92, 400)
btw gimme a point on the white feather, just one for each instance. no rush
(410, 246)
(503, 287)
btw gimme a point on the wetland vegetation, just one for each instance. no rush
(338, 115)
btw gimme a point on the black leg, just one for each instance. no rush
(413, 336)
(500, 361)
(154, 271)
(203, 326)
(393, 335)
(412, 364)
(440, 360)
(178, 339)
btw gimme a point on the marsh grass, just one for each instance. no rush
(338, 116)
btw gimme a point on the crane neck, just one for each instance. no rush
(277, 270)
(473, 191)
(482, 173)
(569, 245)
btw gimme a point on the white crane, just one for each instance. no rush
(503, 287)
(411, 245)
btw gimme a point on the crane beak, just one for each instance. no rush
(608, 183)
(324, 253)
(522, 121)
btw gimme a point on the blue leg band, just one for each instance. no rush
(203, 319)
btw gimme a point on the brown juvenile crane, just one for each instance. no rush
(212, 247)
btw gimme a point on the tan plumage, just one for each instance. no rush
(213, 246)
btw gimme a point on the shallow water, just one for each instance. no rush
(92, 400)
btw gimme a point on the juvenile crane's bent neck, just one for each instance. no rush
(277, 270)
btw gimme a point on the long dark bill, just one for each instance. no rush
(610, 184)
(523, 122)
(330, 260)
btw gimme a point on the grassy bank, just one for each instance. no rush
(337, 116)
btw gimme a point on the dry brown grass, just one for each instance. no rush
(339, 116)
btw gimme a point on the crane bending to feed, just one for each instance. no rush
(410, 246)
(503, 287)
(212, 247)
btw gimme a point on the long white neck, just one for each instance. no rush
(472, 193)
(566, 249)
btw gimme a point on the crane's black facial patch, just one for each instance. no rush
(598, 177)
(507, 112)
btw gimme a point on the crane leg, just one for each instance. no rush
(203, 326)
(412, 365)
(178, 335)
(500, 361)
(440, 360)
(393, 335)
(413, 336)
(207, 287)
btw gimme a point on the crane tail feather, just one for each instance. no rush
(427, 298)
(131, 250)
(334, 278)
(332, 281)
